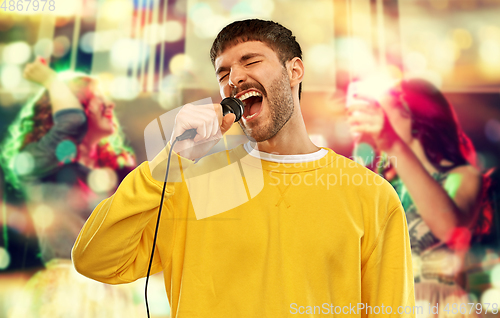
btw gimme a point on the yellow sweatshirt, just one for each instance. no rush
(316, 239)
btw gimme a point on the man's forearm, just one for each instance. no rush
(114, 243)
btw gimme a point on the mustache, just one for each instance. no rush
(246, 86)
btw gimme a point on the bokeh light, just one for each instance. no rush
(444, 55)
(490, 296)
(115, 11)
(363, 153)
(104, 40)
(355, 56)
(252, 8)
(209, 27)
(16, 53)
(415, 62)
(152, 34)
(124, 88)
(61, 46)
(228, 4)
(43, 216)
(495, 276)
(66, 8)
(99, 41)
(462, 38)
(172, 31)
(489, 51)
(321, 57)
(24, 163)
(199, 11)
(4, 258)
(102, 180)
(180, 63)
(87, 42)
(127, 51)
(206, 23)
(66, 151)
(492, 130)
(11, 76)
(44, 48)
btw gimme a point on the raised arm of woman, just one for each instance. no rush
(60, 94)
(443, 209)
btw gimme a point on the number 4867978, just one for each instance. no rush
(28, 5)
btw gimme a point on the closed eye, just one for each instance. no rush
(253, 63)
(220, 79)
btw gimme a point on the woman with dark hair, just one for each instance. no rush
(431, 163)
(65, 152)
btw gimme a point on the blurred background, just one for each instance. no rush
(152, 56)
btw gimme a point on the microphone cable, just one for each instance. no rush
(229, 105)
(188, 134)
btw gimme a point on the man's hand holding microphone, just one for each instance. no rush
(206, 123)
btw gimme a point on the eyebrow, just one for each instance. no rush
(244, 58)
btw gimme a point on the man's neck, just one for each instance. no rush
(292, 139)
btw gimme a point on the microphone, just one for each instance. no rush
(229, 105)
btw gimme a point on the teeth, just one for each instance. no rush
(250, 94)
(248, 117)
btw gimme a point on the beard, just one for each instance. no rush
(280, 104)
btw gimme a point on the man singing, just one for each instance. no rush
(324, 232)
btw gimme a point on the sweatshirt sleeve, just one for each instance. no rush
(114, 246)
(69, 124)
(387, 274)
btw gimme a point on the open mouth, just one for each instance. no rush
(253, 103)
(107, 112)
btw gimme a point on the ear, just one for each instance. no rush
(295, 69)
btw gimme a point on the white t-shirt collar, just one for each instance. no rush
(284, 158)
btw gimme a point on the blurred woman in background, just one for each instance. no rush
(65, 152)
(431, 163)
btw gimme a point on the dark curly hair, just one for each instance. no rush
(276, 36)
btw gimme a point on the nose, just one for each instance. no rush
(237, 76)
